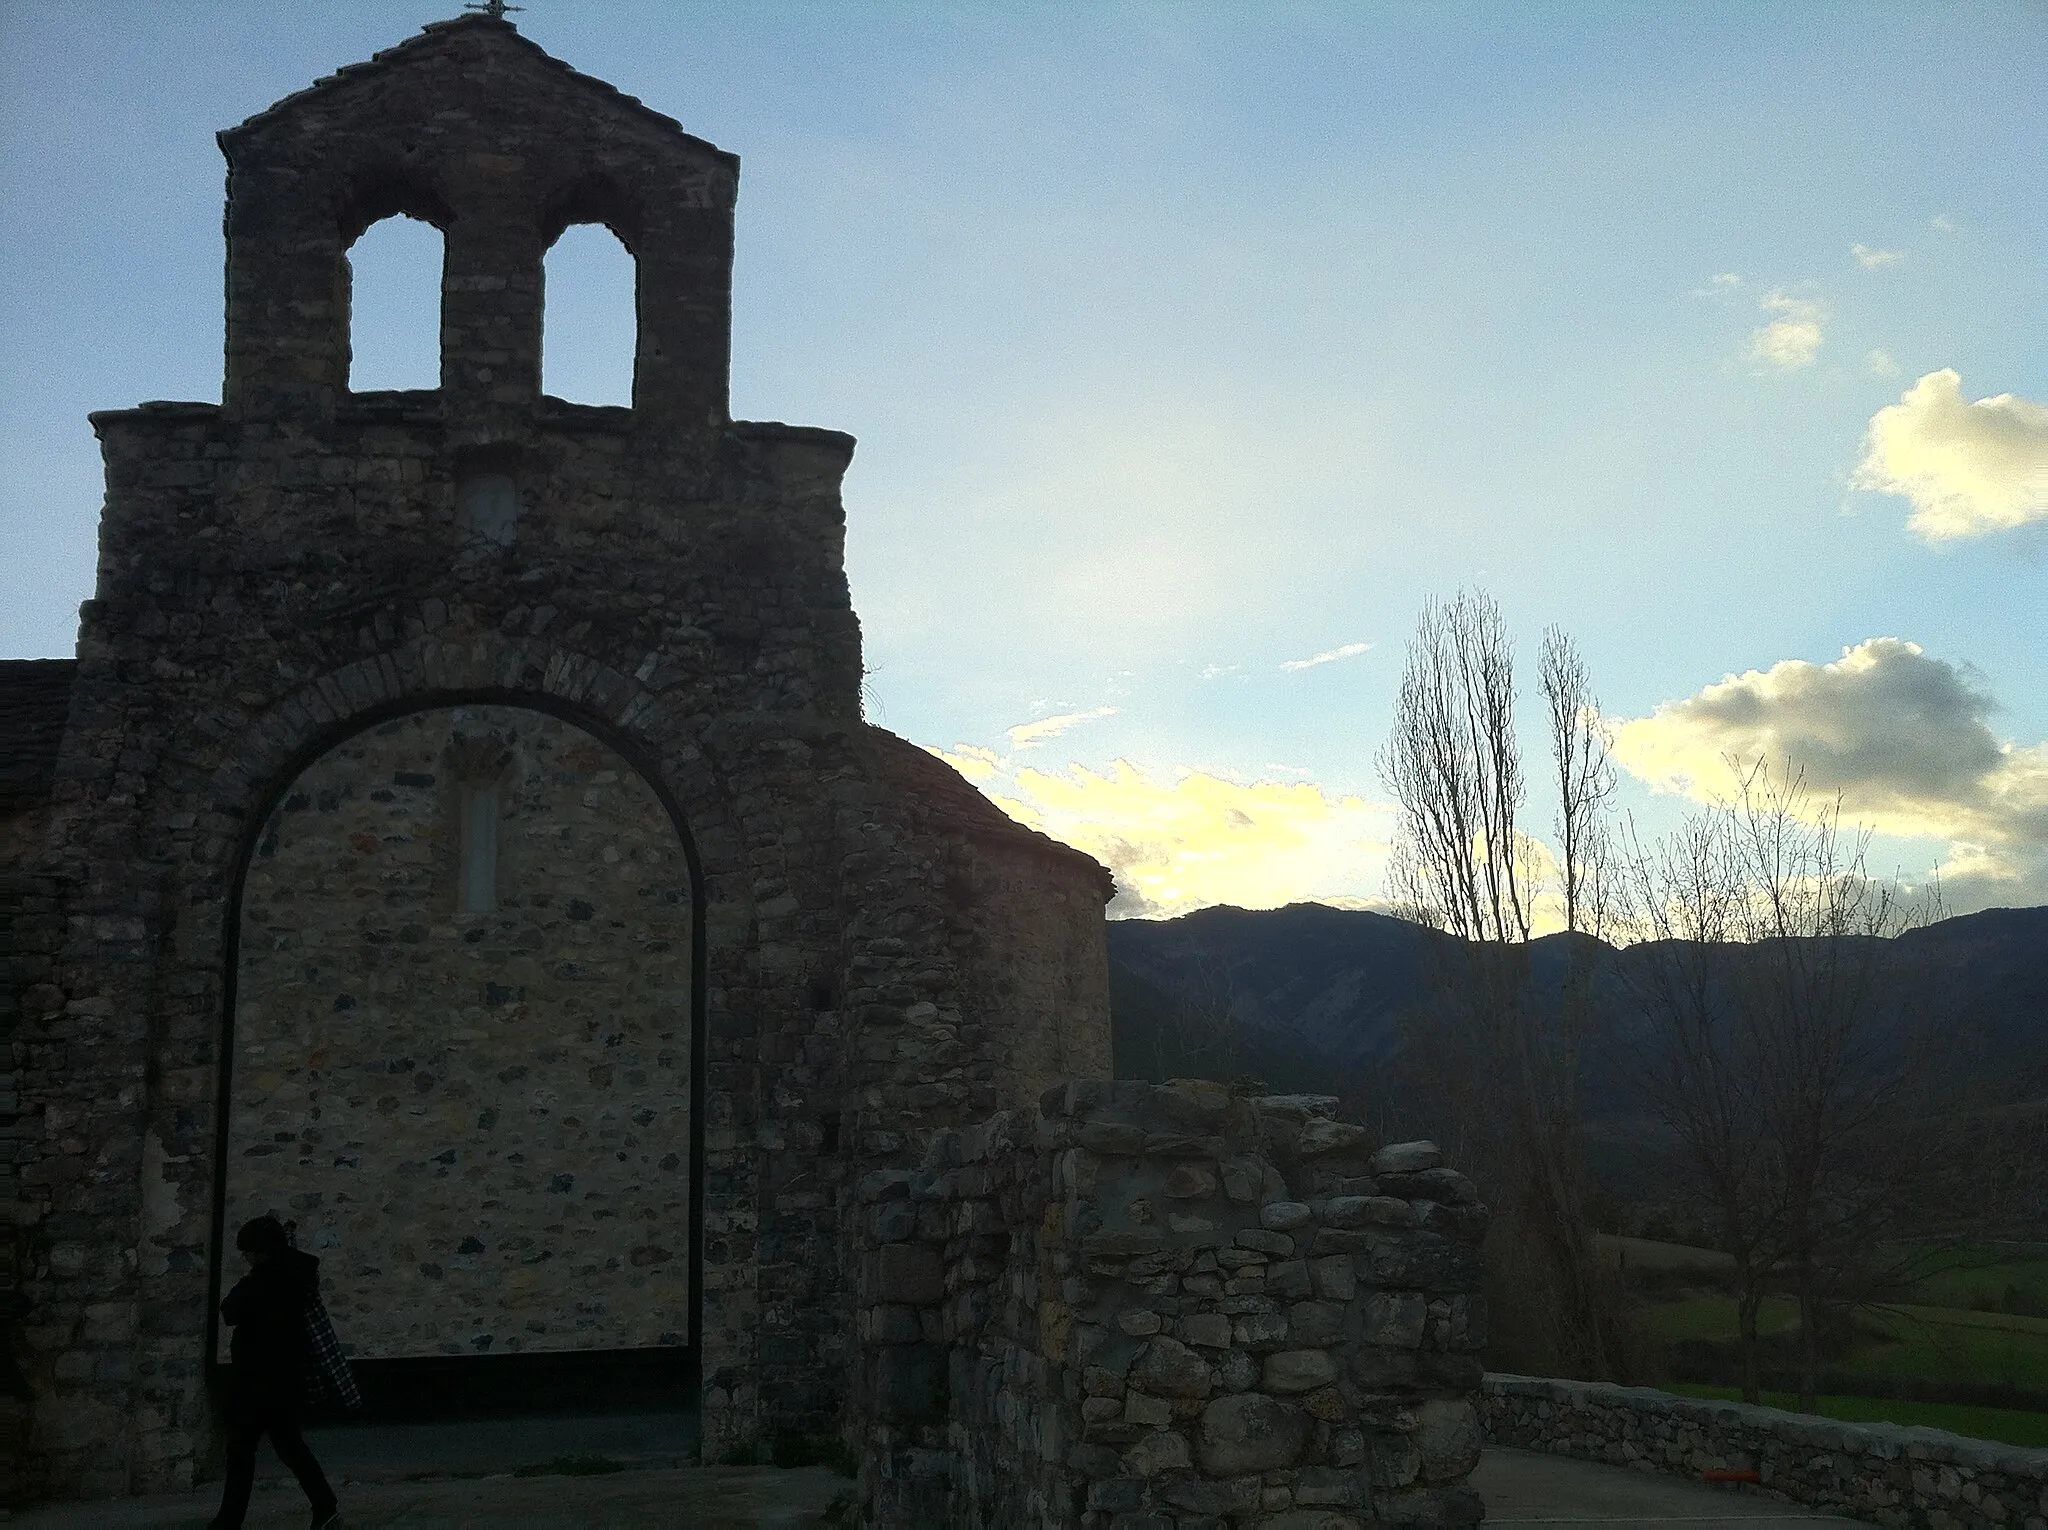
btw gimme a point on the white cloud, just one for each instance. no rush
(1881, 364)
(1194, 838)
(1905, 740)
(1348, 651)
(1791, 340)
(1942, 223)
(1218, 671)
(1968, 468)
(1030, 735)
(1870, 259)
(974, 762)
(1720, 284)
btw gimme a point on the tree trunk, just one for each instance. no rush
(1809, 1340)
(1746, 1307)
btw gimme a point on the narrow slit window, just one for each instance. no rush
(479, 837)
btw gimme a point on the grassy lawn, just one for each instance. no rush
(1709, 1315)
(1940, 1340)
(1936, 1344)
(1917, 1343)
(1649, 1254)
(1997, 1269)
(2006, 1424)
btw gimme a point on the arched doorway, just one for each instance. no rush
(460, 1056)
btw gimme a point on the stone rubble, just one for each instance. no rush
(1144, 1307)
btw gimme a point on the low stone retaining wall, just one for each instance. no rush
(1883, 1473)
(1170, 1307)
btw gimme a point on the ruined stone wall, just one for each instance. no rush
(479, 1120)
(1926, 1479)
(1147, 1307)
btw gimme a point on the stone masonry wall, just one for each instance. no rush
(1143, 1307)
(480, 1121)
(1924, 1478)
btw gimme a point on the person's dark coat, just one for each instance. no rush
(270, 1348)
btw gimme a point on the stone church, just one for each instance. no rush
(458, 833)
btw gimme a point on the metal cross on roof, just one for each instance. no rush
(495, 9)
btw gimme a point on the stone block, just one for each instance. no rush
(1392, 1460)
(1250, 1432)
(1406, 1157)
(1284, 1216)
(1168, 1368)
(1238, 1371)
(1335, 1278)
(1265, 1241)
(1142, 1408)
(1288, 1372)
(1190, 1181)
(1194, 1100)
(1420, 1260)
(1322, 1486)
(894, 1324)
(1315, 1324)
(1116, 1495)
(1351, 1211)
(1289, 1278)
(1211, 1330)
(1125, 1243)
(1111, 1138)
(910, 1382)
(1448, 1437)
(1394, 1319)
(1163, 1451)
(909, 1273)
(1261, 1330)
(1320, 1137)
(1244, 1180)
(1233, 1498)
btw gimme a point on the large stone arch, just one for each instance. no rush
(183, 1203)
(459, 1039)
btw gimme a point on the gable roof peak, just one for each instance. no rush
(471, 27)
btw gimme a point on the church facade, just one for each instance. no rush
(459, 835)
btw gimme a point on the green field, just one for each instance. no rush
(1970, 1327)
(1709, 1315)
(2007, 1424)
(1991, 1277)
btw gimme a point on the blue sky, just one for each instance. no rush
(1188, 343)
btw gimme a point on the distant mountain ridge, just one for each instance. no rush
(1314, 992)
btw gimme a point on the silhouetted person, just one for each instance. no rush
(271, 1351)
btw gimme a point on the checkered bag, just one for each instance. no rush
(329, 1381)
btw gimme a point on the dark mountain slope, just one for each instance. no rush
(1314, 992)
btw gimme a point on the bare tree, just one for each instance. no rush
(1814, 1107)
(1682, 898)
(1199, 1035)
(1505, 1062)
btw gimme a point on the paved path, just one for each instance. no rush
(1520, 1488)
(1525, 1487)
